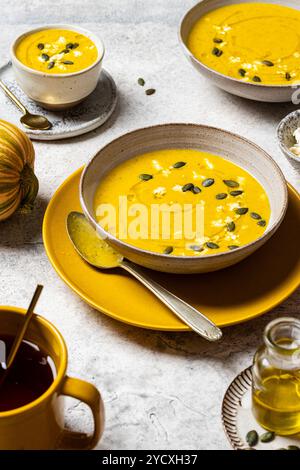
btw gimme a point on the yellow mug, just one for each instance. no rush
(40, 424)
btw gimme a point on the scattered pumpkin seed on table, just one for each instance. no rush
(141, 81)
(150, 91)
(267, 437)
(252, 438)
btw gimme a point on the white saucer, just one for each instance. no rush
(88, 115)
(238, 419)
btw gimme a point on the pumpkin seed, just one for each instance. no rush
(145, 177)
(217, 52)
(65, 51)
(50, 65)
(236, 193)
(241, 210)
(252, 438)
(218, 41)
(233, 247)
(268, 63)
(231, 226)
(221, 196)
(288, 76)
(40, 46)
(267, 437)
(242, 72)
(141, 81)
(256, 78)
(196, 248)
(187, 187)
(150, 91)
(45, 57)
(68, 62)
(255, 216)
(212, 246)
(179, 164)
(292, 447)
(208, 182)
(231, 183)
(196, 190)
(72, 45)
(262, 223)
(168, 250)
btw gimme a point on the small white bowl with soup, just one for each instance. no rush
(241, 189)
(57, 65)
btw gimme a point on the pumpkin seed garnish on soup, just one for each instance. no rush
(268, 63)
(256, 78)
(179, 164)
(208, 182)
(72, 45)
(196, 190)
(242, 72)
(50, 65)
(262, 223)
(212, 246)
(196, 248)
(288, 76)
(217, 52)
(68, 62)
(65, 51)
(40, 46)
(45, 57)
(145, 177)
(218, 41)
(255, 216)
(231, 226)
(236, 193)
(241, 210)
(168, 250)
(233, 247)
(221, 196)
(231, 183)
(187, 187)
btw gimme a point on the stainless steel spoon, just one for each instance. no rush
(99, 254)
(32, 121)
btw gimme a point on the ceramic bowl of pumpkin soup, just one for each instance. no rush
(249, 48)
(57, 65)
(183, 198)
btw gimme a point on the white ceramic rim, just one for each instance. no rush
(280, 129)
(270, 228)
(96, 39)
(236, 80)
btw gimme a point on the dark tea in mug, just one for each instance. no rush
(29, 377)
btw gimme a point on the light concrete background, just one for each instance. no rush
(161, 391)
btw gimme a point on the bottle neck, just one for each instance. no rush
(282, 339)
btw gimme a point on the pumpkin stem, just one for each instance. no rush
(29, 187)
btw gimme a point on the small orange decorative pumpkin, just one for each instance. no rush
(18, 183)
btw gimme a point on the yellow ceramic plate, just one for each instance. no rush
(230, 296)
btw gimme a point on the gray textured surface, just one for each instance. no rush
(161, 391)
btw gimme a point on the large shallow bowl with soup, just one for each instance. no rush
(232, 186)
(249, 48)
(57, 65)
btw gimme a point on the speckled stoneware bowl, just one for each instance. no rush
(209, 139)
(253, 91)
(58, 91)
(285, 132)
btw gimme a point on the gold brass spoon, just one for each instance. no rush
(32, 121)
(99, 254)
(23, 328)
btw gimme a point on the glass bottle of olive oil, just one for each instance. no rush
(276, 378)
